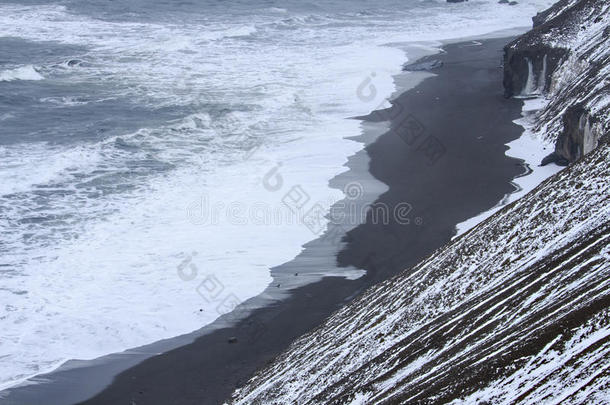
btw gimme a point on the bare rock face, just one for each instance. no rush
(565, 58)
(576, 133)
(528, 71)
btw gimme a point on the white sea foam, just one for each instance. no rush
(21, 73)
(92, 273)
(40, 164)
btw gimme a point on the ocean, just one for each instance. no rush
(157, 158)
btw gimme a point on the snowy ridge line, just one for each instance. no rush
(528, 285)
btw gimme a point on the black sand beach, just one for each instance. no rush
(444, 157)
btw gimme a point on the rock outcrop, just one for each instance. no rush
(564, 58)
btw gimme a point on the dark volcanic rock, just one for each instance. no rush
(554, 158)
(427, 65)
(544, 61)
(74, 62)
(571, 145)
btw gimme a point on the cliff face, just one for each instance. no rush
(564, 58)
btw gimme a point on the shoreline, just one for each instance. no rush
(210, 367)
(462, 112)
(532, 151)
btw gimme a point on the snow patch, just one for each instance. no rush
(531, 149)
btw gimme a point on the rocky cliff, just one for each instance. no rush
(564, 59)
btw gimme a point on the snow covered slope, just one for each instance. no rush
(517, 310)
